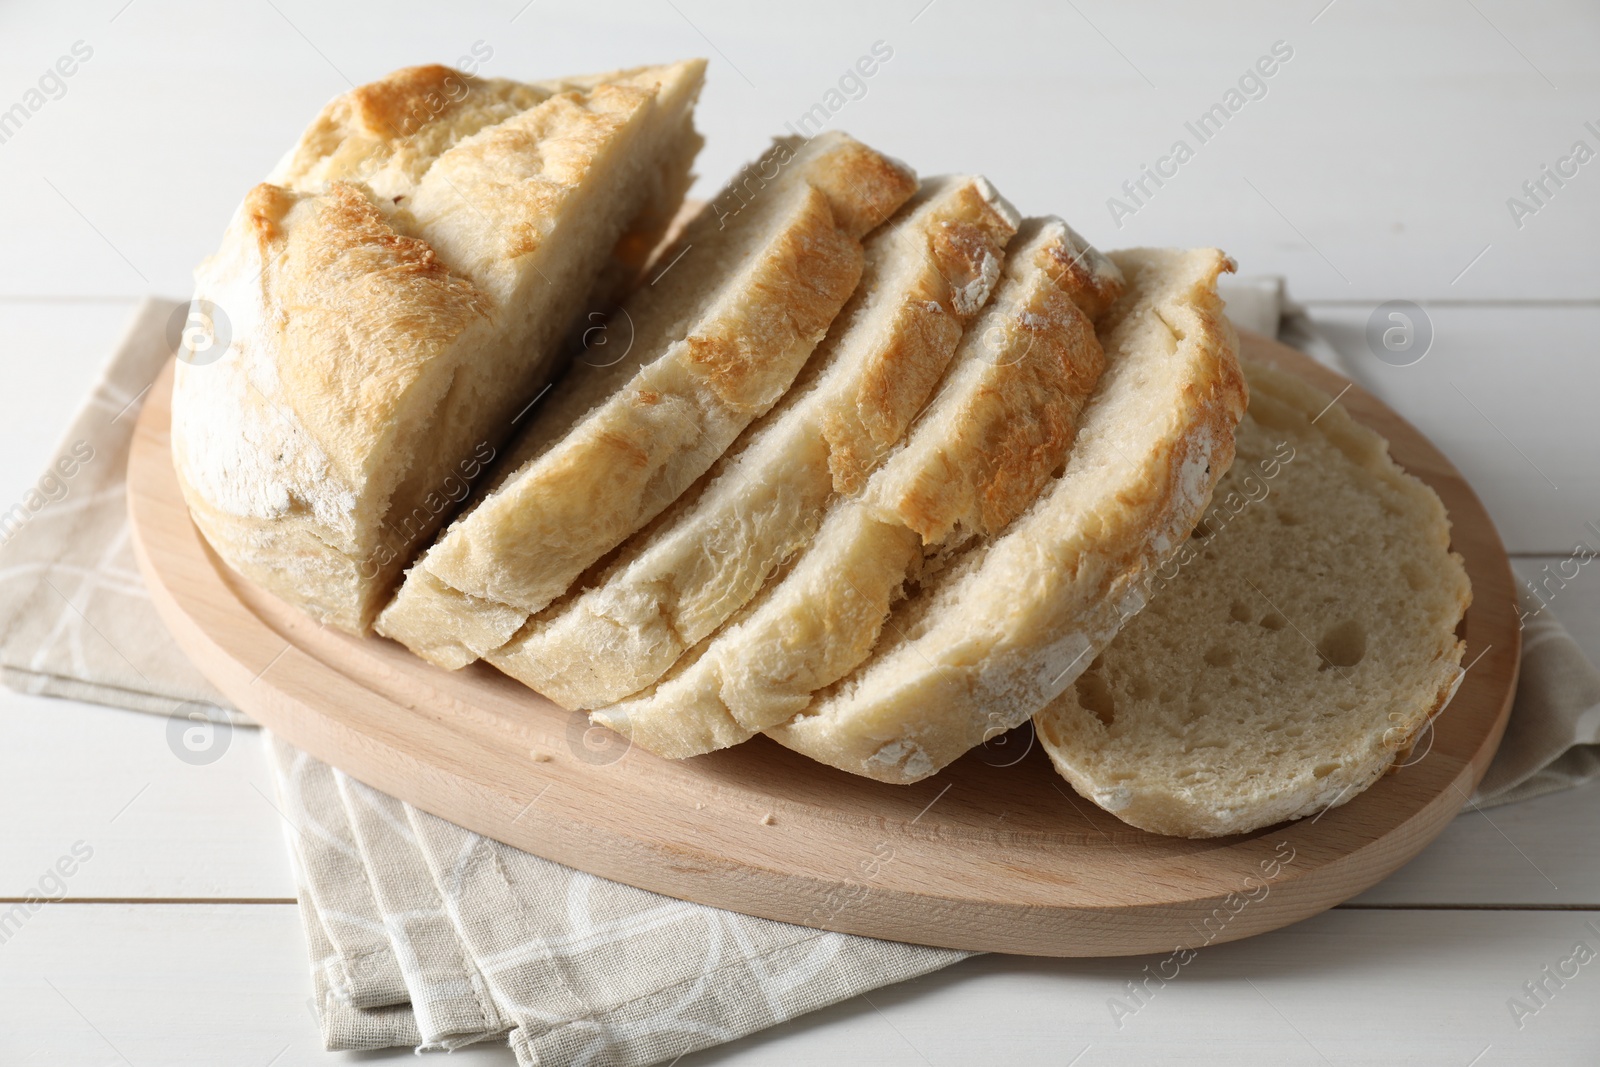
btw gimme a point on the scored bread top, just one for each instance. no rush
(1001, 422)
(389, 134)
(717, 337)
(928, 272)
(391, 304)
(1010, 623)
(1293, 649)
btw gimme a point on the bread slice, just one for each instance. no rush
(395, 295)
(1007, 626)
(1290, 652)
(928, 273)
(1002, 421)
(718, 337)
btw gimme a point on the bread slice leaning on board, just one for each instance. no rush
(1294, 648)
(929, 271)
(718, 337)
(1008, 625)
(395, 293)
(1001, 423)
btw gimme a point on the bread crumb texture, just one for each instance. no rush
(1009, 622)
(1291, 650)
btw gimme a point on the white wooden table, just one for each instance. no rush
(1377, 164)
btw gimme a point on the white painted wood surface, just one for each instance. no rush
(1377, 166)
(142, 984)
(160, 828)
(1344, 988)
(217, 984)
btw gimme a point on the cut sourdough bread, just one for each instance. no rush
(1004, 628)
(396, 293)
(718, 337)
(1002, 421)
(1291, 651)
(928, 272)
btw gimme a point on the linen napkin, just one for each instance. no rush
(75, 619)
(490, 940)
(423, 934)
(451, 998)
(343, 1025)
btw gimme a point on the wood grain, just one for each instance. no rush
(995, 853)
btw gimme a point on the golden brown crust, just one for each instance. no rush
(891, 391)
(1002, 459)
(264, 208)
(673, 584)
(1081, 269)
(583, 486)
(1020, 374)
(349, 282)
(865, 187)
(384, 337)
(966, 250)
(397, 105)
(526, 543)
(980, 650)
(388, 132)
(813, 268)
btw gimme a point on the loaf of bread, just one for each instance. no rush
(397, 292)
(928, 273)
(1001, 423)
(881, 471)
(718, 336)
(1009, 624)
(1291, 651)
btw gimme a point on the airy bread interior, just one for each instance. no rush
(718, 336)
(1001, 422)
(1292, 649)
(1013, 620)
(928, 271)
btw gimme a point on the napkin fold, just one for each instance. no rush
(423, 934)
(1552, 740)
(449, 994)
(490, 940)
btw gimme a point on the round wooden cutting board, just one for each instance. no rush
(994, 853)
